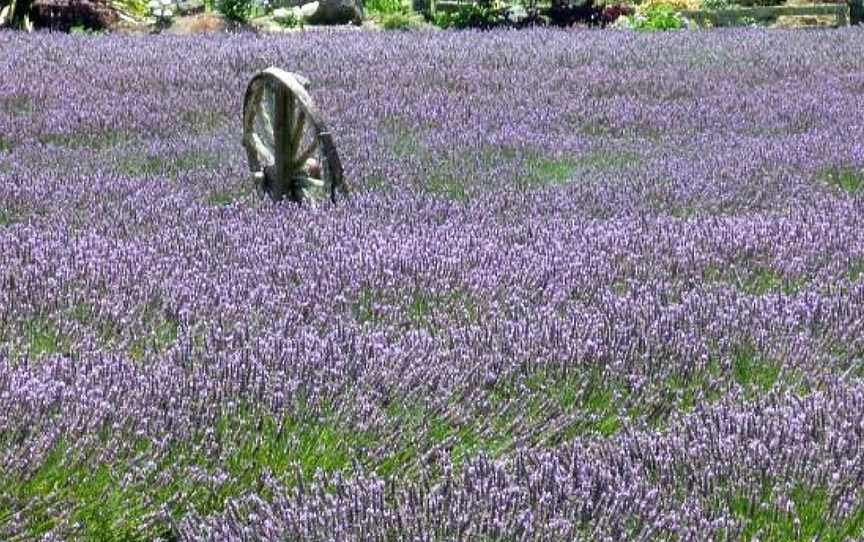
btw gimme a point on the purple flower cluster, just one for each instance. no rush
(590, 286)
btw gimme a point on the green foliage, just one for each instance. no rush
(206, 120)
(43, 338)
(138, 8)
(384, 7)
(237, 11)
(400, 139)
(377, 183)
(291, 19)
(764, 520)
(161, 337)
(758, 281)
(656, 18)
(420, 429)
(418, 307)
(715, 4)
(572, 404)
(57, 480)
(224, 198)
(171, 166)
(697, 386)
(765, 281)
(544, 171)
(856, 271)
(256, 443)
(469, 16)
(363, 308)
(751, 372)
(83, 140)
(399, 21)
(607, 159)
(449, 187)
(16, 104)
(849, 180)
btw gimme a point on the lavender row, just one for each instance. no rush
(637, 486)
(592, 285)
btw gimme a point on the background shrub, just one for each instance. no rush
(611, 13)
(400, 21)
(384, 6)
(137, 8)
(235, 10)
(15, 13)
(568, 13)
(290, 20)
(666, 5)
(655, 17)
(483, 16)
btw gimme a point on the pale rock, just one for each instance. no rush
(334, 12)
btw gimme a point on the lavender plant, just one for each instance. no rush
(627, 306)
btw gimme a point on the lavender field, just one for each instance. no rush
(591, 286)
